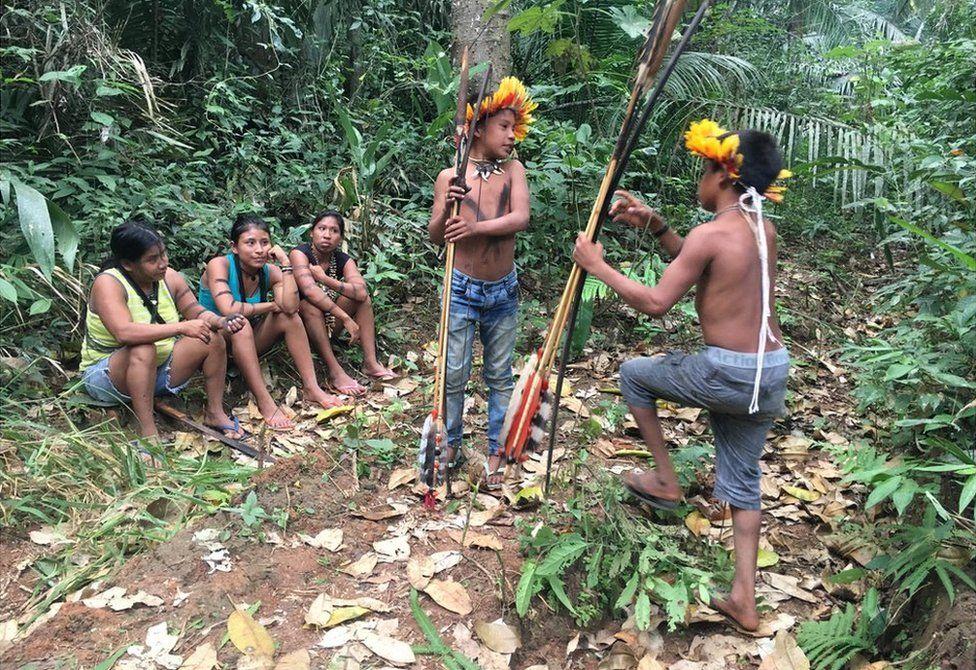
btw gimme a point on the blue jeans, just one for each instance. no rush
(492, 306)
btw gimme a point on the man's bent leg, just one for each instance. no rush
(642, 381)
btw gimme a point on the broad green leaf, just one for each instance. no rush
(964, 258)
(882, 491)
(35, 221)
(72, 75)
(627, 595)
(950, 189)
(556, 584)
(902, 498)
(7, 291)
(897, 371)
(968, 493)
(525, 589)
(102, 118)
(65, 234)
(642, 611)
(40, 306)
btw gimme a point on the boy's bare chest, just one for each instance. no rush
(488, 198)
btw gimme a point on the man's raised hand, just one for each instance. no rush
(630, 210)
(587, 254)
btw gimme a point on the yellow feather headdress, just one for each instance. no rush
(702, 139)
(511, 94)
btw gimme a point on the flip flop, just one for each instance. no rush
(234, 427)
(497, 486)
(652, 500)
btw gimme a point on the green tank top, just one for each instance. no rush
(99, 342)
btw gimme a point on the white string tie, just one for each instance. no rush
(750, 202)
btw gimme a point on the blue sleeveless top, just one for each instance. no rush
(234, 285)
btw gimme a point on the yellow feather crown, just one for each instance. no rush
(511, 94)
(702, 139)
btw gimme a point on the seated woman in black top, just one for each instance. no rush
(334, 296)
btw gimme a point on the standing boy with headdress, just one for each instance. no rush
(740, 376)
(484, 294)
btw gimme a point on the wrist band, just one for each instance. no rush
(286, 268)
(658, 233)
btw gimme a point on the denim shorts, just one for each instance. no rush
(720, 381)
(100, 387)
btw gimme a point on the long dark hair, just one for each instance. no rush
(331, 214)
(130, 241)
(244, 222)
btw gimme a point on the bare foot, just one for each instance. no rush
(494, 472)
(652, 484)
(745, 616)
(275, 416)
(379, 372)
(317, 395)
(345, 384)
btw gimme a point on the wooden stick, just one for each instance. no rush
(177, 415)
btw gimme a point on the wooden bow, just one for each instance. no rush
(433, 439)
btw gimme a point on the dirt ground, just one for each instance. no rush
(274, 571)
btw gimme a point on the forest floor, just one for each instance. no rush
(336, 529)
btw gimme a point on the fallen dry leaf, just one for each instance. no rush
(497, 636)
(445, 560)
(472, 539)
(333, 412)
(255, 662)
(450, 595)
(393, 550)
(389, 649)
(296, 660)
(203, 657)
(401, 476)
(786, 655)
(420, 570)
(329, 539)
(697, 524)
(802, 494)
(389, 512)
(248, 635)
(362, 567)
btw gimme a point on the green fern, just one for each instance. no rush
(832, 643)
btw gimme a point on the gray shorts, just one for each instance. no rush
(720, 381)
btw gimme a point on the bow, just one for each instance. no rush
(532, 404)
(433, 437)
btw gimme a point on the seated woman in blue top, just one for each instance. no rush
(335, 297)
(240, 283)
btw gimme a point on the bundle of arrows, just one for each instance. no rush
(532, 404)
(435, 467)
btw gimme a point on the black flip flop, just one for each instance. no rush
(653, 501)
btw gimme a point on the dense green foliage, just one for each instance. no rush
(192, 111)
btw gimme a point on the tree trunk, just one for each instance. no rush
(494, 45)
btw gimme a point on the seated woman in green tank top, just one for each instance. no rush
(244, 282)
(136, 347)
